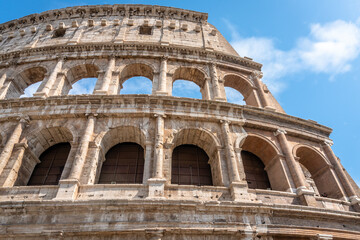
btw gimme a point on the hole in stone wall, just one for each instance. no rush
(59, 33)
(137, 85)
(145, 30)
(184, 88)
(83, 86)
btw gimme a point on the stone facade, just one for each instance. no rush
(114, 43)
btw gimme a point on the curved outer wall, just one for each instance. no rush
(114, 43)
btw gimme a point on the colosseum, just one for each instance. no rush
(153, 166)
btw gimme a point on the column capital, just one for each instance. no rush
(223, 121)
(91, 115)
(111, 56)
(21, 145)
(280, 131)
(24, 119)
(212, 64)
(256, 74)
(156, 115)
(164, 58)
(61, 58)
(328, 142)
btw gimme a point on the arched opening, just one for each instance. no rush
(81, 79)
(184, 88)
(191, 83)
(243, 86)
(28, 80)
(135, 78)
(52, 162)
(137, 85)
(234, 96)
(255, 173)
(30, 90)
(124, 163)
(205, 141)
(117, 141)
(318, 173)
(190, 166)
(262, 163)
(83, 86)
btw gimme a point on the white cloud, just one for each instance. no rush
(330, 48)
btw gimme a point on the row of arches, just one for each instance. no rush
(195, 160)
(134, 78)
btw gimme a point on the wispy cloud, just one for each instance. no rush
(137, 85)
(329, 48)
(83, 86)
(183, 88)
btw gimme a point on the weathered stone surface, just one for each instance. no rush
(311, 196)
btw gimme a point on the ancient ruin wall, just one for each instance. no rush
(310, 196)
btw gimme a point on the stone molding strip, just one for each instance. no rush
(150, 49)
(91, 11)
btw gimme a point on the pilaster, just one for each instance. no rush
(306, 196)
(215, 83)
(162, 87)
(13, 139)
(156, 184)
(105, 81)
(256, 76)
(50, 81)
(353, 198)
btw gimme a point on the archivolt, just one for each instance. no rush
(199, 137)
(119, 135)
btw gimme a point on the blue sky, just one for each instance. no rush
(310, 51)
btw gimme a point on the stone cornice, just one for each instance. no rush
(122, 50)
(141, 105)
(93, 11)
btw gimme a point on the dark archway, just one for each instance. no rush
(190, 166)
(52, 162)
(124, 163)
(255, 173)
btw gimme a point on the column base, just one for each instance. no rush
(355, 203)
(324, 237)
(307, 197)
(100, 92)
(161, 93)
(68, 189)
(156, 188)
(40, 94)
(239, 192)
(270, 108)
(220, 99)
